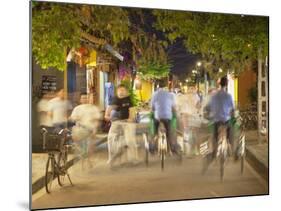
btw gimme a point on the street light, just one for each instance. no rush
(199, 64)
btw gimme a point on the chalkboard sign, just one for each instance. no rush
(49, 84)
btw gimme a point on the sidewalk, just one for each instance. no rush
(39, 161)
(257, 153)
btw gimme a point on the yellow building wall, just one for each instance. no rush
(236, 91)
(93, 59)
(146, 91)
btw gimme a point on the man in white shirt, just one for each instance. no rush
(86, 117)
(58, 108)
(188, 109)
(43, 109)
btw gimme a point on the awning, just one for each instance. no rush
(110, 49)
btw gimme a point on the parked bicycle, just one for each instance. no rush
(55, 143)
(250, 117)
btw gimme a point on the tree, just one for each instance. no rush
(57, 28)
(149, 49)
(151, 59)
(225, 41)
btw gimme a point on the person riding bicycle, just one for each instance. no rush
(120, 113)
(86, 117)
(164, 106)
(58, 110)
(220, 110)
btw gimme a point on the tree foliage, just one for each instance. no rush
(58, 27)
(151, 59)
(227, 41)
(54, 30)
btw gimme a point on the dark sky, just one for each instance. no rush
(182, 61)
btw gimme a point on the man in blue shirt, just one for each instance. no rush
(220, 109)
(163, 105)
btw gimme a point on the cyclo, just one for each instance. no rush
(157, 140)
(225, 148)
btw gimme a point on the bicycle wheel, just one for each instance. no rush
(162, 159)
(242, 154)
(146, 157)
(163, 147)
(62, 160)
(146, 146)
(222, 162)
(49, 174)
(242, 164)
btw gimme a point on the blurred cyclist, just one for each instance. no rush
(45, 120)
(58, 109)
(220, 108)
(163, 105)
(121, 113)
(86, 117)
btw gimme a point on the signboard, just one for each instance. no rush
(49, 84)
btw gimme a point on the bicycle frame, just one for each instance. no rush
(162, 139)
(241, 144)
(222, 141)
(58, 170)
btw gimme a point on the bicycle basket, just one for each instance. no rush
(52, 142)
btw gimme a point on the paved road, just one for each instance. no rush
(127, 183)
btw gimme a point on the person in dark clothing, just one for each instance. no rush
(120, 105)
(122, 129)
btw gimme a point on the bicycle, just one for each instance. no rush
(163, 147)
(146, 147)
(56, 166)
(117, 146)
(238, 132)
(241, 152)
(162, 144)
(223, 149)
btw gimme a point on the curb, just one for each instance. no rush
(257, 164)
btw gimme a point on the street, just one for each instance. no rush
(137, 183)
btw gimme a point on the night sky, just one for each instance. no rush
(182, 61)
